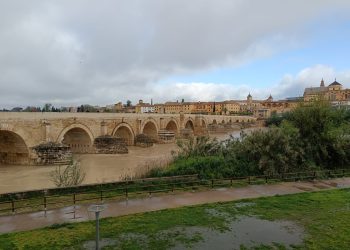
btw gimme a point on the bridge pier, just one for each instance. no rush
(47, 128)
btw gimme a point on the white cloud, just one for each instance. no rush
(98, 52)
(310, 77)
(288, 86)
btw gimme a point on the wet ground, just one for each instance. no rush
(21, 222)
(248, 232)
(242, 231)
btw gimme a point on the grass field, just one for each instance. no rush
(324, 217)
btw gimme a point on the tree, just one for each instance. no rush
(200, 146)
(17, 109)
(128, 103)
(276, 119)
(324, 132)
(64, 109)
(71, 175)
(47, 107)
(30, 109)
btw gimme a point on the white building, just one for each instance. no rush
(147, 108)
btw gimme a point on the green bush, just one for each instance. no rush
(204, 166)
(313, 136)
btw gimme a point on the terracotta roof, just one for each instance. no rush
(314, 90)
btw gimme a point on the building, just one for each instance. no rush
(173, 107)
(334, 93)
(159, 108)
(231, 107)
(118, 107)
(142, 107)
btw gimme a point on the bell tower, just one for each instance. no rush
(322, 83)
(249, 98)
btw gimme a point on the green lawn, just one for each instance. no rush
(325, 217)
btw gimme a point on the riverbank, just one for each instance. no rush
(316, 220)
(98, 168)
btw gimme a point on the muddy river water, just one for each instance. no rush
(97, 167)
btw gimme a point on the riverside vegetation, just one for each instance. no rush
(67, 176)
(312, 137)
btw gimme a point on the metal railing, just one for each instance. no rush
(43, 200)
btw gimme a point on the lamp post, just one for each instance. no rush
(97, 208)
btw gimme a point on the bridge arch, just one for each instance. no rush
(13, 148)
(189, 124)
(214, 122)
(150, 128)
(203, 123)
(223, 122)
(173, 126)
(125, 131)
(78, 137)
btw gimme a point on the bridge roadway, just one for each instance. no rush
(21, 131)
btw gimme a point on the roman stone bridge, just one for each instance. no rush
(21, 132)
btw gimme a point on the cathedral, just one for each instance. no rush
(334, 92)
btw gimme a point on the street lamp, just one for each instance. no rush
(97, 208)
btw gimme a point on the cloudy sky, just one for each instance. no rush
(68, 52)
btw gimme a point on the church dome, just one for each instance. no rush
(335, 83)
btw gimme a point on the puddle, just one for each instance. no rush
(340, 185)
(307, 189)
(248, 232)
(320, 186)
(108, 242)
(244, 204)
(244, 231)
(105, 242)
(216, 213)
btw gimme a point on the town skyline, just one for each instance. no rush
(151, 101)
(68, 53)
(334, 93)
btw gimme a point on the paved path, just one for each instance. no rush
(22, 222)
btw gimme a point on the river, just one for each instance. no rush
(97, 167)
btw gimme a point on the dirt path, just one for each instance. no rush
(22, 222)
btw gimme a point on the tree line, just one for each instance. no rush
(313, 136)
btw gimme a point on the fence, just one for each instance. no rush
(43, 200)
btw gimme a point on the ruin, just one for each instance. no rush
(143, 140)
(108, 144)
(51, 153)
